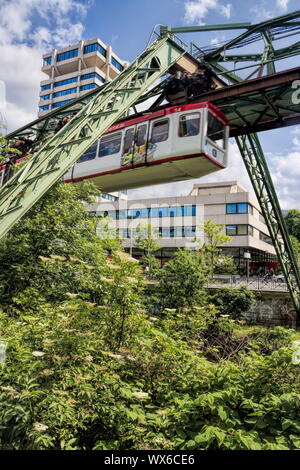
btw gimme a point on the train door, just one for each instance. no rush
(134, 146)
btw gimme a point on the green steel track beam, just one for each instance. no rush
(257, 28)
(260, 177)
(196, 29)
(58, 154)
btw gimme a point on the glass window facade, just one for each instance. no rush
(45, 97)
(94, 47)
(110, 197)
(61, 103)
(89, 86)
(87, 76)
(67, 55)
(47, 60)
(239, 230)
(65, 82)
(45, 107)
(117, 64)
(265, 238)
(162, 232)
(239, 208)
(45, 87)
(154, 212)
(65, 92)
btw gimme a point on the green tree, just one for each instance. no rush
(214, 237)
(182, 280)
(296, 248)
(233, 302)
(225, 265)
(54, 248)
(5, 149)
(292, 220)
(146, 241)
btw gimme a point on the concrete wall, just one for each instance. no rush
(272, 309)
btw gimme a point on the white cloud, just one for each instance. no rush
(261, 12)
(29, 28)
(196, 10)
(282, 4)
(286, 175)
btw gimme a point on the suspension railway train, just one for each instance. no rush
(172, 144)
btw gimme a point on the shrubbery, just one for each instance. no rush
(88, 367)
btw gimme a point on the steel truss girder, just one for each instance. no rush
(261, 180)
(58, 154)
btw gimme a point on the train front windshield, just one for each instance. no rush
(216, 130)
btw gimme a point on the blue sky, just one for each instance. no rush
(29, 28)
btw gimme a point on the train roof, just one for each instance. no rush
(141, 117)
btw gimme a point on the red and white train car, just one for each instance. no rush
(173, 144)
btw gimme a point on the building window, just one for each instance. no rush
(189, 231)
(61, 103)
(94, 47)
(190, 210)
(160, 131)
(110, 144)
(117, 64)
(45, 87)
(89, 86)
(67, 55)
(110, 197)
(265, 238)
(239, 208)
(240, 230)
(262, 219)
(64, 92)
(45, 97)
(88, 76)
(45, 107)
(89, 154)
(65, 82)
(189, 125)
(47, 60)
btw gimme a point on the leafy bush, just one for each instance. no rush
(233, 302)
(182, 280)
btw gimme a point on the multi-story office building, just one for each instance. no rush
(74, 70)
(179, 220)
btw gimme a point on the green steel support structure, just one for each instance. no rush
(52, 161)
(96, 111)
(249, 144)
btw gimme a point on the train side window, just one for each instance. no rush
(215, 129)
(89, 154)
(141, 135)
(189, 124)
(128, 140)
(110, 144)
(160, 131)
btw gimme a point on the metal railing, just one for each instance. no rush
(271, 283)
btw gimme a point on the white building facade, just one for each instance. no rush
(178, 221)
(75, 70)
